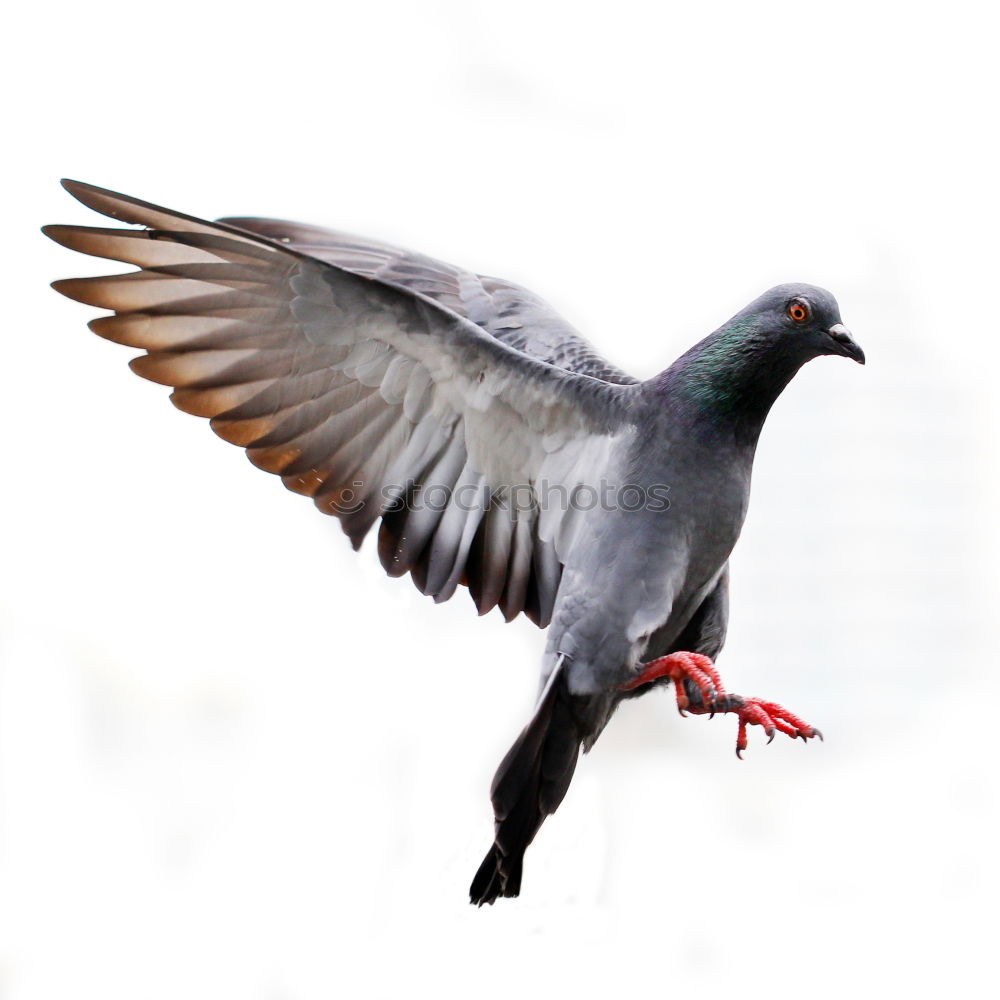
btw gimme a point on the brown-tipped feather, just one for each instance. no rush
(130, 246)
(206, 369)
(198, 368)
(279, 394)
(148, 291)
(155, 332)
(292, 421)
(220, 399)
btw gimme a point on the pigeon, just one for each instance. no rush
(495, 448)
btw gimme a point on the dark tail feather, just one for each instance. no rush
(529, 785)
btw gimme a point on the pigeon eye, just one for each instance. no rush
(798, 310)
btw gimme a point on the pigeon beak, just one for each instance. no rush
(844, 343)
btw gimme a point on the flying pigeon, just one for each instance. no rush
(498, 450)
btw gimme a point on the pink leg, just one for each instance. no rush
(678, 667)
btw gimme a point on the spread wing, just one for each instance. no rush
(380, 384)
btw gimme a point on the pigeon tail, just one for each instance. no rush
(529, 785)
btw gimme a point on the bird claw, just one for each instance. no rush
(700, 691)
(772, 718)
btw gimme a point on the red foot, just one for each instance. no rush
(694, 675)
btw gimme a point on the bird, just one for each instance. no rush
(495, 448)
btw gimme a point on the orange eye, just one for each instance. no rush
(798, 311)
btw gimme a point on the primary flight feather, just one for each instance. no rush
(494, 446)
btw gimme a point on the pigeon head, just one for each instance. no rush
(799, 320)
(734, 375)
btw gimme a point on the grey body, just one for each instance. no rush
(364, 376)
(637, 577)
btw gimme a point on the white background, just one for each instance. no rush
(235, 761)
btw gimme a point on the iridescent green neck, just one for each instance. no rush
(734, 375)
